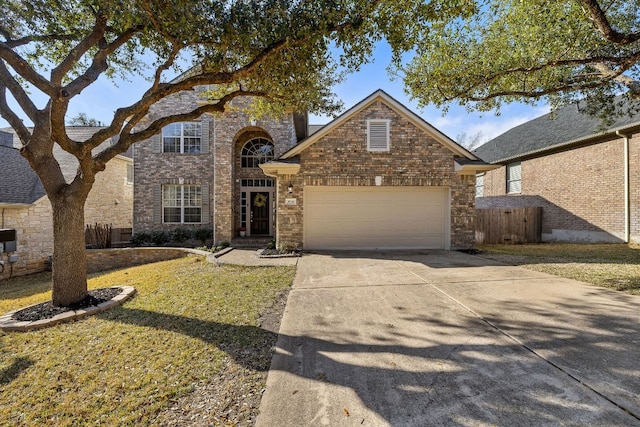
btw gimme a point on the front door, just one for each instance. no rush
(259, 213)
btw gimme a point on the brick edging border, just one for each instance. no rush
(8, 324)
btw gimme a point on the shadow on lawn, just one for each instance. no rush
(249, 345)
(464, 372)
(12, 371)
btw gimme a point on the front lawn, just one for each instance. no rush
(189, 321)
(614, 266)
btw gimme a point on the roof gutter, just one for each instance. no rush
(627, 207)
(15, 205)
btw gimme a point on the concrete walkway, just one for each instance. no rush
(442, 338)
(249, 257)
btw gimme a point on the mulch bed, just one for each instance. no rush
(47, 310)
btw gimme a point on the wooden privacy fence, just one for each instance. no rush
(509, 226)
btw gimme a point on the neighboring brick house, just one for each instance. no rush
(406, 186)
(25, 207)
(584, 175)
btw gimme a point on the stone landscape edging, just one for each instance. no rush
(8, 324)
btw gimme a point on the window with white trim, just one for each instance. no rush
(514, 178)
(185, 137)
(378, 135)
(255, 152)
(480, 184)
(181, 204)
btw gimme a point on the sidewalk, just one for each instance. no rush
(249, 257)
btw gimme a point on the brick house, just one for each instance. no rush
(378, 176)
(24, 206)
(584, 175)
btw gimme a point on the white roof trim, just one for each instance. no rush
(275, 168)
(473, 168)
(396, 106)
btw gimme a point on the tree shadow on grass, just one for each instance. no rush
(12, 371)
(481, 377)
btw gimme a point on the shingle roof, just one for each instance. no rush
(20, 184)
(570, 125)
(68, 163)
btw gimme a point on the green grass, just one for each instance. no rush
(124, 366)
(614, 266)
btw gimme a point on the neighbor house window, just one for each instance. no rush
(129, 173)
(378, 135)
(255, 152)
(514, 178)
(182, 138)
(181, 204)
(480, 185)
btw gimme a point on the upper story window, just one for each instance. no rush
(255, 152)
(181, 204)
(183, 137)
(129, 173)
(480, 185)
(378, 135)
(514, 178)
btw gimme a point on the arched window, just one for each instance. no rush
(255, 152)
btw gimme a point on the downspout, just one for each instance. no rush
(627, 207)
(215, 194)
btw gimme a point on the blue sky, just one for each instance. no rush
(100, 100)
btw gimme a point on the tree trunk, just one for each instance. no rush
(69, 254)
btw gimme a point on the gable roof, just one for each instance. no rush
(20, 184)
(380, 95)
(567, 126)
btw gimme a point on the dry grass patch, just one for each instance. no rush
(614, 266)
(125, 366)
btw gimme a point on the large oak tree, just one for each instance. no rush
(526, 51)
(279, 51)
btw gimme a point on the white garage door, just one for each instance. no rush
(375, 217)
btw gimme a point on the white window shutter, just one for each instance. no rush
(378, 135)
(204, 139)
(514, 178)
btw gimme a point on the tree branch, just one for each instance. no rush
(604, 26)
(17, 91)
(97, 34)
(39, 38)
(12, 118)
(25, 70)
(127, 139)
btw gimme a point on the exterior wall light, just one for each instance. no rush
(290, 188)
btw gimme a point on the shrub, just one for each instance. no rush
(271, 244)
(141, 238)
(203, 234)
(180, 235)
(159, 238)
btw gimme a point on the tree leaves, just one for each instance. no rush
(512, 50)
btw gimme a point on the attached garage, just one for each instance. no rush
(358, 217)
(377, 177)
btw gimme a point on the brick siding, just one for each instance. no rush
(219, 168)
(581, 191)
(341, 159)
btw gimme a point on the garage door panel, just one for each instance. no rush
(375, 217)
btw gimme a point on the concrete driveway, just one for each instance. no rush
(443, 338)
